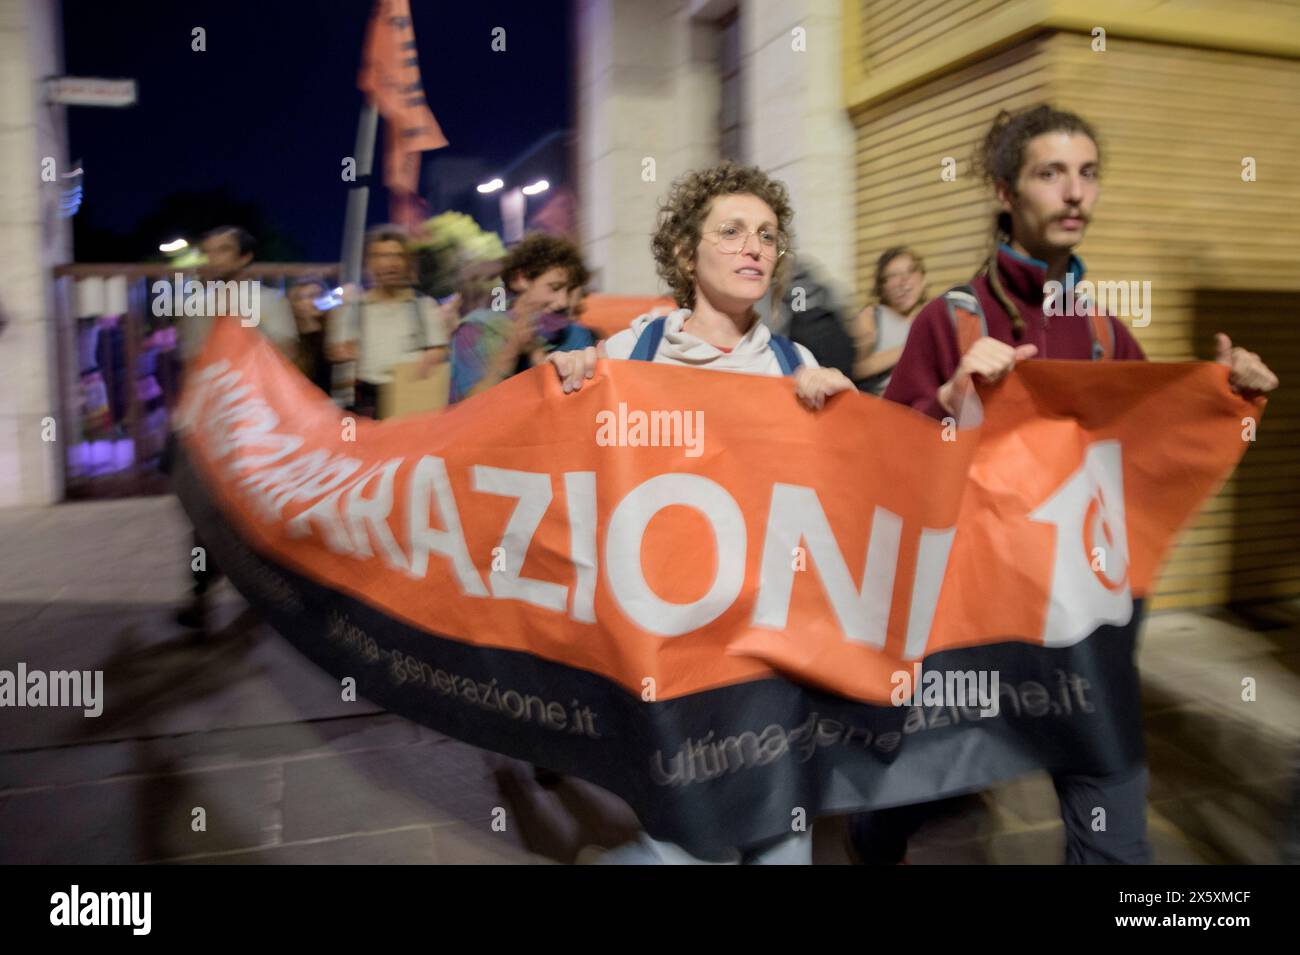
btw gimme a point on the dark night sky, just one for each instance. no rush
(270, 109)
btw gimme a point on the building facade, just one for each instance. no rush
(670, 86)
(1195, 105)
(870, 110)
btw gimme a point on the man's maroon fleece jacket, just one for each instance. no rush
(930, 356)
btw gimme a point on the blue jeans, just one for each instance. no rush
(1123, 840)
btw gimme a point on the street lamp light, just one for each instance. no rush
(175, 245)
(490, 186)
(541, 185)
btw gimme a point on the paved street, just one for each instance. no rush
(286, 772)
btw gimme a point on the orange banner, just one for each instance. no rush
(671, 528)
(607, 315)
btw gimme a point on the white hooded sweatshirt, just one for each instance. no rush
(752, 355)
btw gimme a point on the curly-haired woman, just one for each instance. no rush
(721, 239)
(720, 244)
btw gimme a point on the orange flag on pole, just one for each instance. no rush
(390, 78)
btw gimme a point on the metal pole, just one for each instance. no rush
(354, 225)
(354, 230)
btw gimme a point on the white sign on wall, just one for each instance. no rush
(90, 91)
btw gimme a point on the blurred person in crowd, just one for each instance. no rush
(311, 321)
(577, 304)
(1044, 165)
(880, 331)
(541, 274)
(721, 237)
(547, 278)
(392, 323)
(110, 360)
(811, 314)
(227, 251)
(478, 281)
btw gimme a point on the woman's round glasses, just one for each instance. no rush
(732, 238)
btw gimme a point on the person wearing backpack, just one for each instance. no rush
(811, 315)
(1044, 165)
(721, 238)
(393, 324)
(545, 277)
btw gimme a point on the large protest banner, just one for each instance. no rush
(685, 587)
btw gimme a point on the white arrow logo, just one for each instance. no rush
(1090, 583)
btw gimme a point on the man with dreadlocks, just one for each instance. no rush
(1044, 165)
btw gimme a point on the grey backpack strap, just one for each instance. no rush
(421, 336)
(967, 316)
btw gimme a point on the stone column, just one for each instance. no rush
(795, 124)
(33, 239)
(647, 102)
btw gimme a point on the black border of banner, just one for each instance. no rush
(810, 753)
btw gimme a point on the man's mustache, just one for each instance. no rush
(1073, 214)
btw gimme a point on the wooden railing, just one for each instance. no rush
(120, 371)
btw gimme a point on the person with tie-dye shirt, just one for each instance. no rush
(543, 275)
